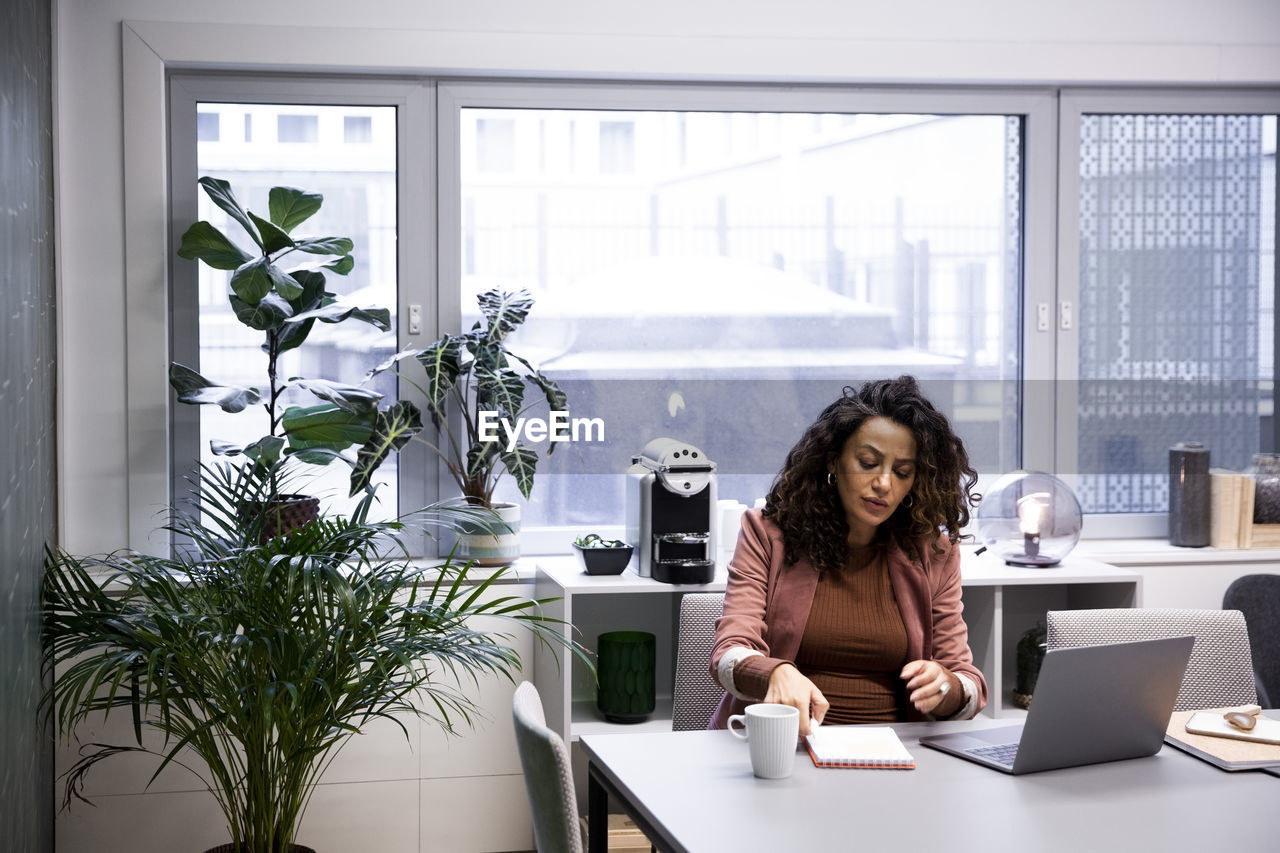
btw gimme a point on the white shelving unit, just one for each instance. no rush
(1001, 603)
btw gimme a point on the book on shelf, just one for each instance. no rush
(1231, 505)
(875, 747)
(1225, 517)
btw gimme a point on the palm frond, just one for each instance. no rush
(256, 659)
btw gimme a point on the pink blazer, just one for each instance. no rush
(767, 604)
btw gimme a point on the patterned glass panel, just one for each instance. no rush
(1176, 297)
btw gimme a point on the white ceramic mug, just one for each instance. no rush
(771, 732)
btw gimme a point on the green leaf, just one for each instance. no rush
(325, 426)
(442, 362)
(392, 430)
(342, 265)
(313, 296)
(270, 312)
(219, 191)
(325, 246)
(289, 207)
(205, 243)
(499, 390)
(336, 312)
(265, 450)
(317, 455)
(313, 293)
(350, 398)
(273, 238)
(480, 456)
(224, 448)
(292, 335)
(520, 463)
(194, 388)
(258, 277)
(504, 311)
(557, 400)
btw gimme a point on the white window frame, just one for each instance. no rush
(416, 250)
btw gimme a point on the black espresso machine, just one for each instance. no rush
(671, 512)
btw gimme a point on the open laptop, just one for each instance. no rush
(1092, 704)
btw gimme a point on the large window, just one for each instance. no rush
(719, 276)
(1081, 279)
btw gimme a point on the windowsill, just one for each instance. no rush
(1156, 552)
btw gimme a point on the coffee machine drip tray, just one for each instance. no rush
(682, 558)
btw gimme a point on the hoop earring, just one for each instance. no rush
(908, 501)
(831, 478)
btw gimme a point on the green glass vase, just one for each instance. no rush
(625, 677)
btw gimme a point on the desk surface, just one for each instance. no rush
(696, 790)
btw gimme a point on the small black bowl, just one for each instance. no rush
(603, 561)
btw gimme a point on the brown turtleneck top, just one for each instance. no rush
(854, 645)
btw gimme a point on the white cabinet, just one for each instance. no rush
(1001, 602)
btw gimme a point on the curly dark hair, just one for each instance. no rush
(809, 511)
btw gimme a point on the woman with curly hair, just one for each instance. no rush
(844, 591)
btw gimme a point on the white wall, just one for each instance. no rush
(110, 135)
(112, 394)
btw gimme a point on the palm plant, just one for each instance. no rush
(259, 658)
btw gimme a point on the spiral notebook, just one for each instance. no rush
(859, 746)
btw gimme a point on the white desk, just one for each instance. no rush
(694, 792)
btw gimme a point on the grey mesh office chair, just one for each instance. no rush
(1220, 672)
(548, 776)
(1258, 598)
(696, 693)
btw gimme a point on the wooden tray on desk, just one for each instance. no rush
(1227, 753)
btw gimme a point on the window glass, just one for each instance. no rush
(718, 277)
(357, 130)
(207, 127)
(297, 128)
(1177, 289)
(359, 189)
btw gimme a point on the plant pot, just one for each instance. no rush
(284, 515)
(231, 848)
(496, 548)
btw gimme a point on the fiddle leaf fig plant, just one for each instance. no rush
(476, 375)
(278, 289)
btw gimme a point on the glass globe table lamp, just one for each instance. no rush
(1029, 518)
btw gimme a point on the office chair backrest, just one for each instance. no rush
(696, 693)
(1220, 671)
(1258, 598)
(548, 776)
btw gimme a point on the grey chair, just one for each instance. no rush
(548, 776)
(696, 694)
(1220, 672)
(1258, 598)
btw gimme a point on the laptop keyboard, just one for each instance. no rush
(1001, 753)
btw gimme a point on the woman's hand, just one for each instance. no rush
(932, 688)
(788, 687)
